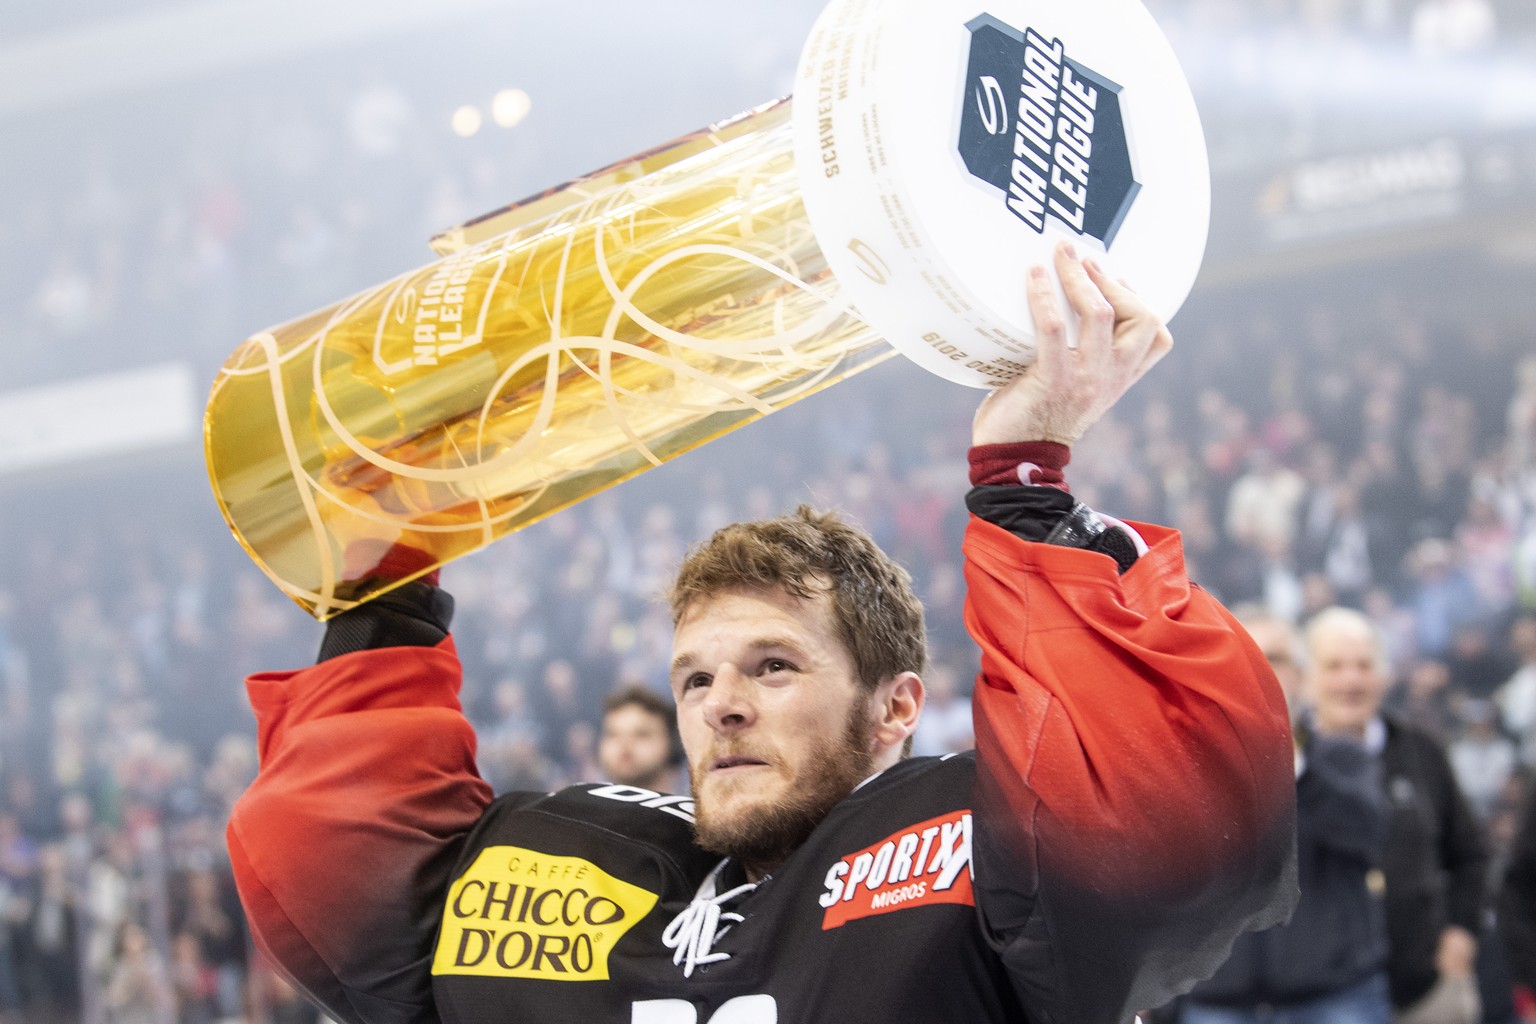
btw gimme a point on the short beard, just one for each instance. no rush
(764, 837)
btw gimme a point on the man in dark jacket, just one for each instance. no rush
(1517, 910)
(1328, 964)
(1434, 863)
(1435, 869)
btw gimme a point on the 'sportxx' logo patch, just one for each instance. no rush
(925, 864)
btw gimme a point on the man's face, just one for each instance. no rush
(1344, 680)
(634, 747)
(1277, 642)
(775, 724)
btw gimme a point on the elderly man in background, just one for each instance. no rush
(1328, 964)
(1434, 862)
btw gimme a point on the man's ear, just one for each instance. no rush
(898, 706)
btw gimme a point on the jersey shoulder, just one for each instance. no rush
(941, 774)
(606, 819)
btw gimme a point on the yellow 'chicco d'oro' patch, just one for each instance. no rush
(519, 913)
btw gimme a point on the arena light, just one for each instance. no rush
(510, 106)
(466, 121)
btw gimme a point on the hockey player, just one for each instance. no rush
(1126, 813)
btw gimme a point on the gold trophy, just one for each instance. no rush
(558, 347)
(566, 343)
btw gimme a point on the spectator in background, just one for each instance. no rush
(1277, 640)
(18, 861)
(1520, 420)
(18, 851)
(138, 986)
(510, 743)
(1525, 560)
(1319, 507)
(1394, 628)
(1482, 757)
(1387, 493)
(109, 901)
(1484, 539)
(946, 726)
(1434, 863)
(195, 981)
(278, 1002)
(1349, 553)
(12, 908)
(1426, 700)
(1263, 504)
(1516, 697)
(1442, 598)
(579, 763)
(211, 918)
(1479, 665)
(1281, 588)
(560, 706)
(52, 964)
(1517, 910)
(639, 745)
(1328, 964)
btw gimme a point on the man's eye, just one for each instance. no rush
(695, 681)
(777, 665)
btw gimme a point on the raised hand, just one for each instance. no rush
(1067, 389)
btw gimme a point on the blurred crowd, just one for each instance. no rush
(1373, 451)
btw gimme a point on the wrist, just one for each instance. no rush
(415, 614)
(1033, 463)
(381, 559)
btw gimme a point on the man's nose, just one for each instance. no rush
(730, 705)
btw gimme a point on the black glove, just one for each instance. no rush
(415, 614)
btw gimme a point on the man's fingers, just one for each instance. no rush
(1050, 323)
(1095, 313)
(1162, 344)
(1065, 390)
(1137, 330)
(1121, 297)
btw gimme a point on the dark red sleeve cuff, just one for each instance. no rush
(1039, 463)
(379, 559)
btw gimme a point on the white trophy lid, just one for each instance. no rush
(943, 147)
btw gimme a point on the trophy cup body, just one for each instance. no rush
(566, 343)
(600, 330)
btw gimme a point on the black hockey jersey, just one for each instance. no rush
(873, 919)
(1127, 812)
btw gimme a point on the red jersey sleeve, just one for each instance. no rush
(1136, 799)
(343, 845)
